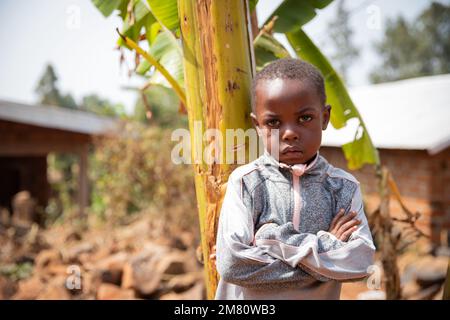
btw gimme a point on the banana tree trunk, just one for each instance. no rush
(218, 72)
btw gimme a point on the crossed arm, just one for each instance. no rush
(283, 255)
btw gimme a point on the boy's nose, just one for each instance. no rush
(289, 135)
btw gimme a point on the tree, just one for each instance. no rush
(95, 104)
(159, 105)
(417, 48)
(340, 36)
(218, 62)
(49, 93)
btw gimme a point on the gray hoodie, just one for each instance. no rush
(272, 241)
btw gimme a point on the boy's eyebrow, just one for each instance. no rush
(270, 113)
(306, 109)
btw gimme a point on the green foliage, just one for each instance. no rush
(48, 91)
(167, 51)
(267, 49)
(17, 271)
(133, 173)
(166, 12)
(62, 172)
(163, 104)
(252, 4)
(106, 7)
(95, 104)
(417, 48)
(292, 14)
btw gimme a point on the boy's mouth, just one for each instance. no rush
(291, 150)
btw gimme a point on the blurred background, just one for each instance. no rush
(91, 205)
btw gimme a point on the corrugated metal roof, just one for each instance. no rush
(408, 114)
(55, 118)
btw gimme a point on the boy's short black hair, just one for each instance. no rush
(290, 68)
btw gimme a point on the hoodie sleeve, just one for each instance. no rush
(242, 263)
(322, 253)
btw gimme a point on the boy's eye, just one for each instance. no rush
(305, 118)
(273, 123)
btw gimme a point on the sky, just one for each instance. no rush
(79, 42)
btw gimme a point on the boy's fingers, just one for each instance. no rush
(346, 234)
(336, 218)
(349, 224)
(345, 219)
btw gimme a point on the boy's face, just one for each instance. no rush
(294, 108)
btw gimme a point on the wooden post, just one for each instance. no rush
(83, 185)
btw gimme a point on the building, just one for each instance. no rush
(409, 122)
(28, 133)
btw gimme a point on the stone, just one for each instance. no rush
(72, 254)
(180, 283)
(410, 289)
(428, 278)
(107, 291)
(197, 292)
(143, 272)
(23, 205)
(7, 288)
(427, 270)
(46, 258)
(4, 217)
(172, 264)
(142, 276)
(182, 240)
(427, 293)
(29, 289)
(55, 289)
(111, 268)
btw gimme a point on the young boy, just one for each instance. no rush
(292, 226)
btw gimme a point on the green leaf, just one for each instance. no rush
(320, 4)
(168, 78)
(267, 49)
(152, 30)
(166, 50)
(106, 7)
(123, 9)
(292, 14)
(142, 18)
(361, 150)
(252, 4)
(166, 12)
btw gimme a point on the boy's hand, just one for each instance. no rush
(343, 226)
(212, 256)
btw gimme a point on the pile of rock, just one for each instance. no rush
(124, 264)
(423, 278)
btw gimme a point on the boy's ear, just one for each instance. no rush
(326, 116)
(254, 121)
